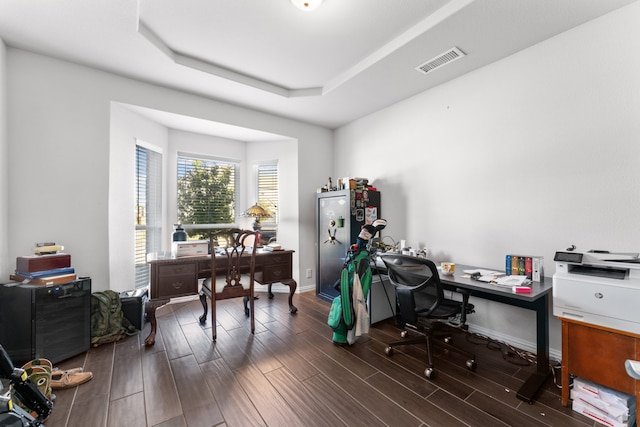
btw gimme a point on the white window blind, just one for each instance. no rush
(148, 209)
(268, 193)
(207, 191)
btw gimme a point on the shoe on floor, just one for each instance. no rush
(66, 379)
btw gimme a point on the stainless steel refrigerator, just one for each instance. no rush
(339, 218)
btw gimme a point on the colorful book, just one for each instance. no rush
(531, 266)
(521, 266)
(31, 263)
(46, 273)
(50, 249)
(49, 280)
(528, 267)
(514, 265)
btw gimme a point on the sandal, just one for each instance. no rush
(65, 379)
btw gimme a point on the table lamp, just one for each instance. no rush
(256, 211)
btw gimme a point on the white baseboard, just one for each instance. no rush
(279, 288)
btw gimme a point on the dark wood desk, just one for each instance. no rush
(178, 277)
(539, 300)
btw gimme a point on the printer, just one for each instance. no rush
(598, 287)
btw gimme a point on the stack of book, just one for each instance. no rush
(525, 265)
(47, 267)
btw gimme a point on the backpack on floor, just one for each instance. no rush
(108, 323)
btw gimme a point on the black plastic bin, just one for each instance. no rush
(133, 303)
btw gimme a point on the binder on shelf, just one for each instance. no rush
(514, 265)
(531, 266)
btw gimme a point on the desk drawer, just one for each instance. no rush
(275, 273)
(274, 258)
(176, 280)
(177, 269)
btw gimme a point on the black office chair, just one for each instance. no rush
(422, 306)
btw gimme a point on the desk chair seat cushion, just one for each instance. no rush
(221, 282)
(445, 310)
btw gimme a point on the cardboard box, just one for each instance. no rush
(190, 248)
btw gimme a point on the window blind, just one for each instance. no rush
(148, 210)
(268, 193)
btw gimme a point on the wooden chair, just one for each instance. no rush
(233, 261)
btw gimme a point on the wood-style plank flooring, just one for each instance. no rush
(291, 374)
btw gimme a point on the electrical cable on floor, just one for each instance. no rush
(509, 353)
(512, 354)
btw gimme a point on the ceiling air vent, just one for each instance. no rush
(441, 60)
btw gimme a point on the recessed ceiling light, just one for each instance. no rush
(306, 5)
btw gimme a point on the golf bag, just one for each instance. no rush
(348, 316)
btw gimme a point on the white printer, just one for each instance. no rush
(598, 287)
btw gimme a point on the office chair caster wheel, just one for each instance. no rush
(471, 365)
(388, 351)
(430, 373)
(404, 334)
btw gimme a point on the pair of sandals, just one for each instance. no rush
(42, 373)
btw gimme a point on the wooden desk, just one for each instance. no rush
(177, 277)
(538, 300)
(597, 354)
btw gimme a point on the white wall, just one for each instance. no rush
(125, 128)
(59, 132)
(286, 153)
(528, 155)
(5, 265)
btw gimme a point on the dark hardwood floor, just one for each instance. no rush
(291, 374)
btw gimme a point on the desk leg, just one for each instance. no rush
(150, 310)
(292, 290)
(565, 364)
(205, 307)
(533, 384)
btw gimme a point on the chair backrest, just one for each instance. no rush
(233, 254)
(411, 276)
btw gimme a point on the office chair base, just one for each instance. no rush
(430, 373)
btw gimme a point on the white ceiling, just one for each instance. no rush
(347, 59)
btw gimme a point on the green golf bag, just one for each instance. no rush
(348, 316)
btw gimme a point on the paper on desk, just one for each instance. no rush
(485, 275)
(510, 281)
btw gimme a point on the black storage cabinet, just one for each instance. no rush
(52, 322)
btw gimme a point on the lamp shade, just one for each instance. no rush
(257, 211)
